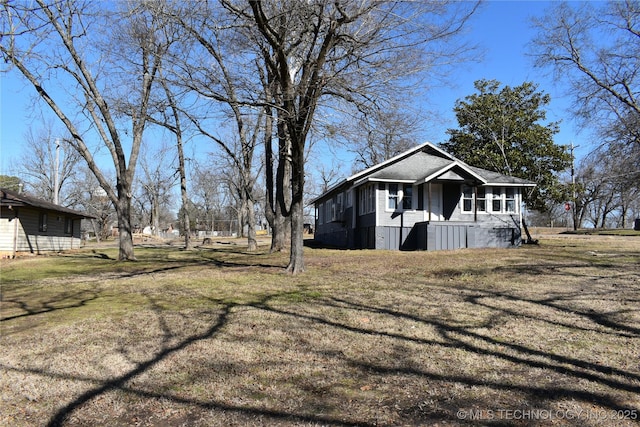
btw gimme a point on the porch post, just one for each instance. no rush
(475, 203)
(429, 200)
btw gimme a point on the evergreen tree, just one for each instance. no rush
(503, 130)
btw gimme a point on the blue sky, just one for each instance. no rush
(501, 28)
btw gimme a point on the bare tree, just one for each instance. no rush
(378, 135)
(605, 196)
(63, 49)
(216, 71)
(94, 200)
(595, 48)
(278, 184)
(211, 199)
(349, 51)
(48, 166)
(176, 127)
(155, 183)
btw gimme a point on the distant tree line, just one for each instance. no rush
(258, 83)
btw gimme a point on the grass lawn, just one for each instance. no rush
(540, 335)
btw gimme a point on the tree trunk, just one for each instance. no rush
(279, 235)
(183, 191)
(97, 232)
(252, 243)
(277, 212)
(239, 221)
(156, 216)
(123, 210)
(185, 215)
(296, 257)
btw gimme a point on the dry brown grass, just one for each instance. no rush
(541, 335)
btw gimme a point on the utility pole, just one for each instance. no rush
(573, 188)
(56, 196)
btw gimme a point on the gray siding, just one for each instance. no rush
(447, 236)
(393, 238)
(24, 231)
(439, 235)
(410, 229)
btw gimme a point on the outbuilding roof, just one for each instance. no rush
(12, 199)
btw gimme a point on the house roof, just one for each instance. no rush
(425, 163)
(10, 198)
(495, 178)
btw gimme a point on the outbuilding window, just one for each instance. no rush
(68, 225)
(42, 223)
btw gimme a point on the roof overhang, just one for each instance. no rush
(510, 184)
(12, 200)
(369, 179)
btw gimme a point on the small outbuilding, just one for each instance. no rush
(32, 225)
(422, 199)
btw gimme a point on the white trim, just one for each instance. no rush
(400, 197)
(448, 168)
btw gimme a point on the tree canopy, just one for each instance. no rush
(502, 129)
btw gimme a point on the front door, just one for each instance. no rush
(433, 200)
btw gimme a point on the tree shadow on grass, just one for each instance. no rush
(122, 383)
(329, 313)
(64, 301)
(334, 315)
(449, 336)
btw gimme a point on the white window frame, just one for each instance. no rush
(510, 200)
(393, 197)
(371, 198)
(463, 198)
(367, 199)
(479, 199)
(508, 205)
(497, 196)
(407, 200)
